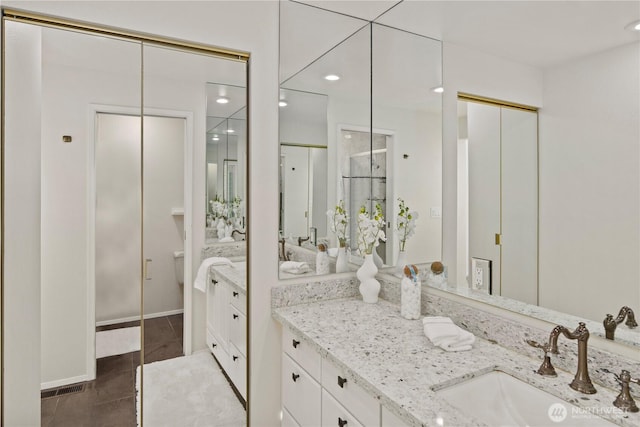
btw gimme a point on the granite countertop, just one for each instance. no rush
(235, 275)
(394, 361)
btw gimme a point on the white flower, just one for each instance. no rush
(370, 230)
(405, 223)
(338, 222)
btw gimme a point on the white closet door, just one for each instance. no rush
(520, 205)
(484, 185)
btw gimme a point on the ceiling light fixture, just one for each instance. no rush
(633, 26)
(282, 103)
(438, 89)
(332, 77)
(222, 100)
(215, 138)
(230, 131)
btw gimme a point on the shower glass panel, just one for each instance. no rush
(59, 256)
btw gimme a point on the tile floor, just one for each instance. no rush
(110, 400)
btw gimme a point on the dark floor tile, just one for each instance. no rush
(167, 350)
(117, 413)
(157, 330)
(118, 326)
(119, 363)
(74, 409)
(113, 386)
(47, 410)
(177, 324)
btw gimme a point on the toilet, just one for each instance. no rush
(178, 258)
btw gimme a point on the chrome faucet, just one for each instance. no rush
(610, 323)
(581, 382)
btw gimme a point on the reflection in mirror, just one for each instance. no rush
(226, 145)
(382, 129)
(498, 167)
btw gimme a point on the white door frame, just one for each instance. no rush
(93, 110)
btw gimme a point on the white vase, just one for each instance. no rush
(342, 261)
(369, 286)
(402, 261)
(376, 258)
(220, 227)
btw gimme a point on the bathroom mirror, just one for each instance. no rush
(380, 124)
(226, 145)
(99, 173)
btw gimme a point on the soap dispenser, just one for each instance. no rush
(322, 260)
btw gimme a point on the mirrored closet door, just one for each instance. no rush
(100, 135)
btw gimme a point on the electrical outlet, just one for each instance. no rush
(481, 274)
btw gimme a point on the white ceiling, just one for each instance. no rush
(537, 33)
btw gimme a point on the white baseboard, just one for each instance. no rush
(134, 318)
(64, 381)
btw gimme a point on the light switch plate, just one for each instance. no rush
(436, 212)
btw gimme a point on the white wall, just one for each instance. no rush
(590, 184)
(256, 32)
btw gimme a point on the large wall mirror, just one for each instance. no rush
(99, 180)
(357, 129)
(581, 198)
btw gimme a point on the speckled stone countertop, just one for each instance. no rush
(394, 361)
(236, 276)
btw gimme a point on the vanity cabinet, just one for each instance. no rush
(315, 392)
(227, 328)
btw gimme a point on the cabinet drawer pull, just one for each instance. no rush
(213, 345)
(235, 294)
(341, 382)
(296, 343)
(214, 281)
(235, 316)
(295, 377)
(342, 422)
(234, 358)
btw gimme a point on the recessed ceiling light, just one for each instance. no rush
(230, 131)
(282, 103)
(215, 138)
(332, 77)
(634, 26)
(438, 89)
(222, 100)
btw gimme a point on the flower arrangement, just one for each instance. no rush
(338, 222)
(218, 208)
(405, 223)
(370, 230)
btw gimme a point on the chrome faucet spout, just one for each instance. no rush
(581, 382)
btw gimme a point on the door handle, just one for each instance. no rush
(147, 270)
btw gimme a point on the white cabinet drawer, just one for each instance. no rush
(301, 394)
(287, 419)
(304, 355)
(218, 351)
(238, 370)
(390, 419)
(360, 403)
(238, 329)
(334, 414)
(238, 300)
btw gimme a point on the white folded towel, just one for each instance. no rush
(201, 278)
(442, 332)
(226, 240)
(294, 267)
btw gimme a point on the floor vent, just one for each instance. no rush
(77, 388)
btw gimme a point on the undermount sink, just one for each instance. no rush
(499, 399)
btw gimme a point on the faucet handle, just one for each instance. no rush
(546, 369)
(624, 400)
